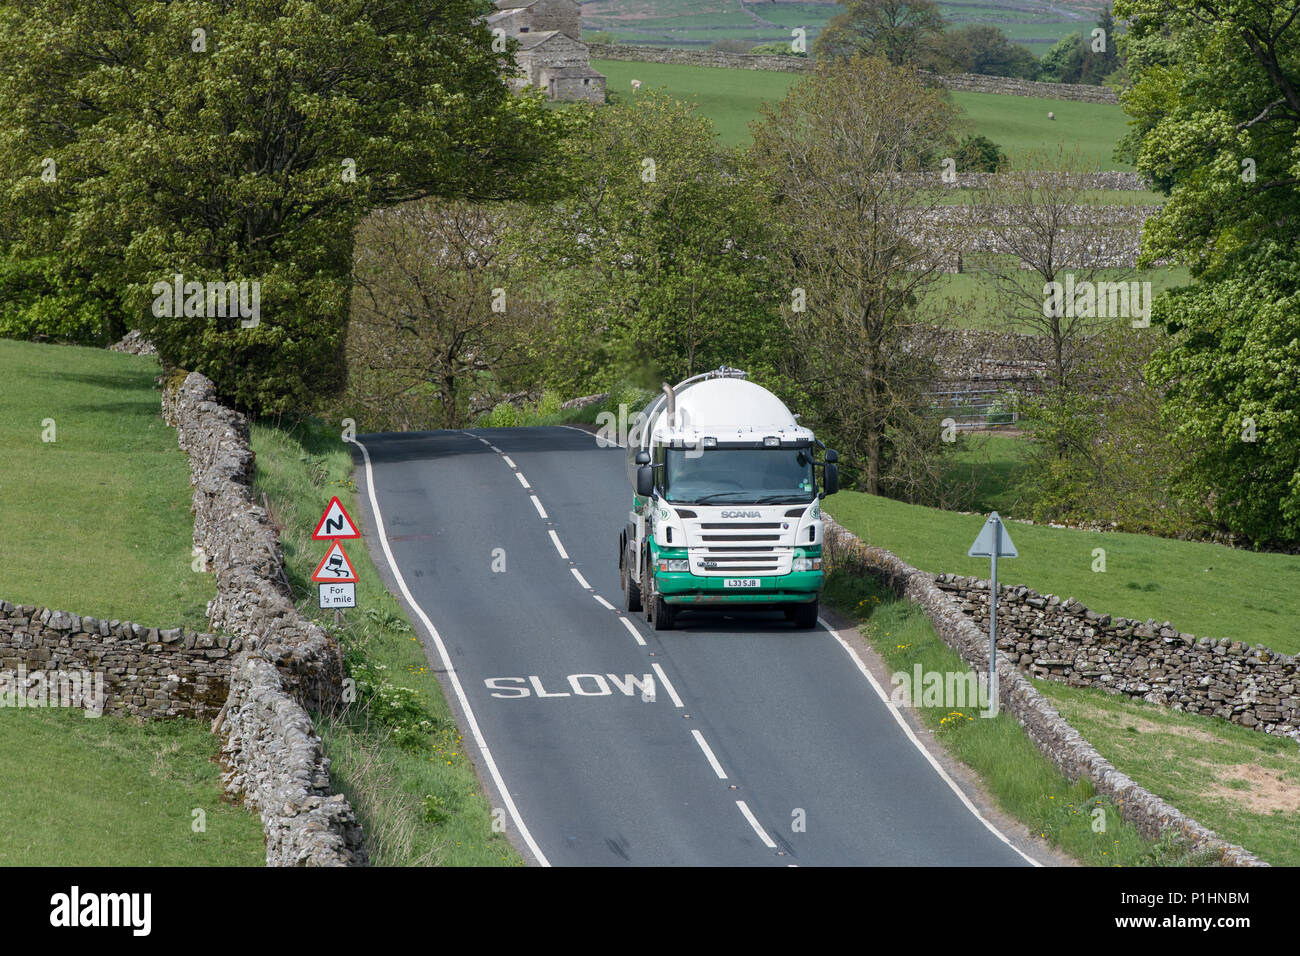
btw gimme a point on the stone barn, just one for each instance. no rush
(551, 54)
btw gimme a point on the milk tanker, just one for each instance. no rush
(726, 513)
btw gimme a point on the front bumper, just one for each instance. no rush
(797, 587)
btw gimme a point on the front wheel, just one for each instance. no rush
(663, 615)
(804, 616)
(631, 590)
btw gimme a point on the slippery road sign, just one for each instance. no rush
(335, 523)
(335, 568)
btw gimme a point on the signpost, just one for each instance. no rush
(993, 542)
(335, 576)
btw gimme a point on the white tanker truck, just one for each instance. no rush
(726, 512)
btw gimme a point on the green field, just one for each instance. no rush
(96, 522)
(697, 23)
(730, 99)
(108, 791)
(1242, 784)
(1205, 589)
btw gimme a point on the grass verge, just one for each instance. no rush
(1023, 783)
(397, 753)
(112, 792)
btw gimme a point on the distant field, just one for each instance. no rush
(98, 520)
(698, 23)
(1206, 589)
(730, 98)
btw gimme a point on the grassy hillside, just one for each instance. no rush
(1206, 589)
(730, 98)
(98, 521)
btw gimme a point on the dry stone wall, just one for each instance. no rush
(964, 82)
(136, 671)
(1055, 738)
(285, 665)
(1063, 640)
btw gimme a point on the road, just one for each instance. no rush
(726, 742)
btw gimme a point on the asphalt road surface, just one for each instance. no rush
(731, 741)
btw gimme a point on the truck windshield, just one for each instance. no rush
(738, 476)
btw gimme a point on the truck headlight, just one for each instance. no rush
(674, 564)
(806, 564)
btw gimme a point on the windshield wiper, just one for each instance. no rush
(715, 494)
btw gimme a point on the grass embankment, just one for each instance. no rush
(1018, 124)
(396, 753)
(1018, 777)
(1205, 589)
(108, 791)
(97, 520)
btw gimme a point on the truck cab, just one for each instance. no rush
(726, 504)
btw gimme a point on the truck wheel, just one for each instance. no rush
(647, 590)
(631, 590)
(804, 616)
(664, 616)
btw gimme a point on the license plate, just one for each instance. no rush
(742, 582)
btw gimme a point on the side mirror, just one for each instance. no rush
(645, 480)
(642, 457)
(830, 480)
(832, 455)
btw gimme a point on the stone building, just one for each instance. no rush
(551, 54)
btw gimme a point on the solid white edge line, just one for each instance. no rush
(632, 627)
(581, 580)
(479, 739)
(952, 784)
(537, 503)
(602, 602)
(713, 761)
(598, 438)
(753, 822)
(668, 685)
(522, 480)
(555, 539)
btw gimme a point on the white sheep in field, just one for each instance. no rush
(636, 84)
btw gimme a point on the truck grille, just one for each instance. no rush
(739, 548)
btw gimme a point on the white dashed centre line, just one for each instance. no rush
(753, 822)
(713, 761)
(555, 538)
(668, 685)
(632, 628)
(522, 480)
(581, 580)
(537, 503)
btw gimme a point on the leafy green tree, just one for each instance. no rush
(981, 49)
(841, 156)
(243, 142)
(1233, 398)
(1063, 61)
(898, 30)
(654, 266)
(979, 154)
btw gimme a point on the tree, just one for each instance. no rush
(842, 156)
(898, 30)
(1063, 61)
(1232, 405)
(979, 154)
(438, 311)
(230, 143)
(981, 49)
(1216, 113)
(654, 265)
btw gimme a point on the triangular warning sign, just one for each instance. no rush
(335, 523)
(335, 567)
(993, 539)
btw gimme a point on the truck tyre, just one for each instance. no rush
(804, 616)
(665, 615)
(631, 590)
